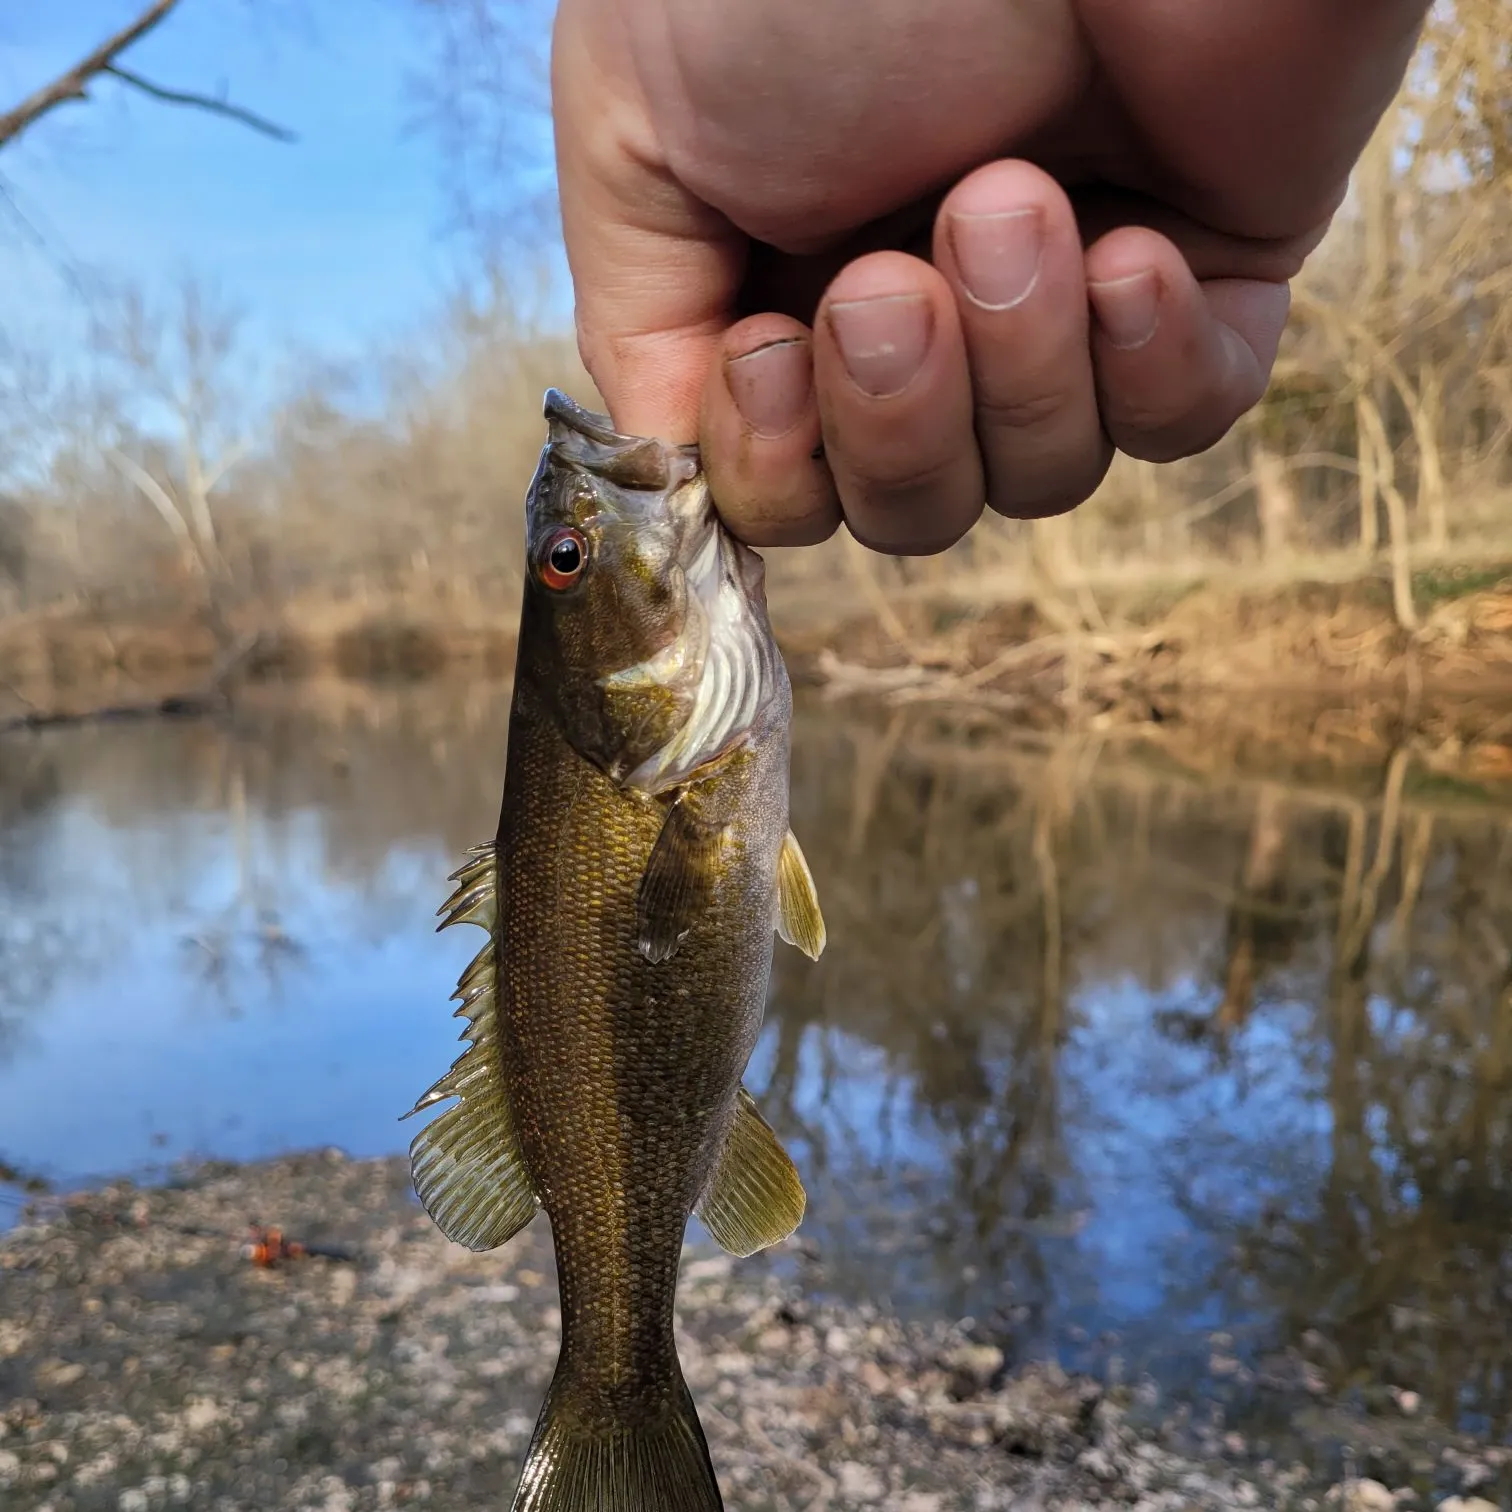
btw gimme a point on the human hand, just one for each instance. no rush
(970, 246)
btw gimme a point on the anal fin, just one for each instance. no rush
(754, 1198)
(799, 921)
(467, 1165)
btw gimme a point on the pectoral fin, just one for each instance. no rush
(467, 1165)
(754, 1198)
(799, 921)
(679, 880)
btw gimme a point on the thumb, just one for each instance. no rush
(655, 271)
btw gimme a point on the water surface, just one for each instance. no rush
(1209, 1081)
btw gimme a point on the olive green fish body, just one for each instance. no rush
(625, 1089)
(642, 863)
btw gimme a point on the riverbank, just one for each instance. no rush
(1146, 651)
(147, 1362)
(74, 662)
(1136, 653)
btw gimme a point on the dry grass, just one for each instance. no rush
(1148, 654)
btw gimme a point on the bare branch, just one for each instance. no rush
(74, 84)
(202, 102)
(157, 496)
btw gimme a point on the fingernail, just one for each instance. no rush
(1128, 309)
(998, 255)
(772, 386)
(882, 340)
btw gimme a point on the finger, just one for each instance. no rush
(895, 402)
(1177, 362)
(655, 271)
(1007, 241)
(1209, 253)
(761, 439)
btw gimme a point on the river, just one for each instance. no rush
(1203, 1080)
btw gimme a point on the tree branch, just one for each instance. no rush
(74, 85)
(201, 102)
(158, 497)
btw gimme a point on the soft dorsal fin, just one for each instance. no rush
(467, 1165)
(799, 921)
(754, 1198)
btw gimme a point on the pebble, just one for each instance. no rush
(974, 1364)
(1365, 1496)
(859, 1482)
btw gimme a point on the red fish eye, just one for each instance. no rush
(564, 557)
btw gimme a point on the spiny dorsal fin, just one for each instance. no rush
(467, 1165)
(476, 899)
(799, 921)
(754, 1198)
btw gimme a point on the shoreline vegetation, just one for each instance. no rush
(149, 1363)
(1252, 657)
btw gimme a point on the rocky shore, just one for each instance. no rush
(147, 1361)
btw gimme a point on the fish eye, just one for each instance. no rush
(563, 559)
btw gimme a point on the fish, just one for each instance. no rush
(642, 868)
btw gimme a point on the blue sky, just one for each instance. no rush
(329, 245)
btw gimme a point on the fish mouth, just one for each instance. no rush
(586, 441)
(648, 477)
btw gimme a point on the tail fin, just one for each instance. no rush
(660, 1466)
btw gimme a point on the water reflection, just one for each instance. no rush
(1108, 1057)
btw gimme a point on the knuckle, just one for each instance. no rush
(926, 539)
(1164, 439)
(1163, 421)
(1044, 455)
(920, 515)
(1051, 486)
(891, 488)
(1034, 410)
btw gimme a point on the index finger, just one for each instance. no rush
(655, 271)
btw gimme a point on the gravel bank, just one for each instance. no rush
(146, 1363)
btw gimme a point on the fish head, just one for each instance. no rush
(644, 626)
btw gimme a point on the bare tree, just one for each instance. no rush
(172, 369)
(103, 62)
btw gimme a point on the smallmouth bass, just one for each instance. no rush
(642, 864)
